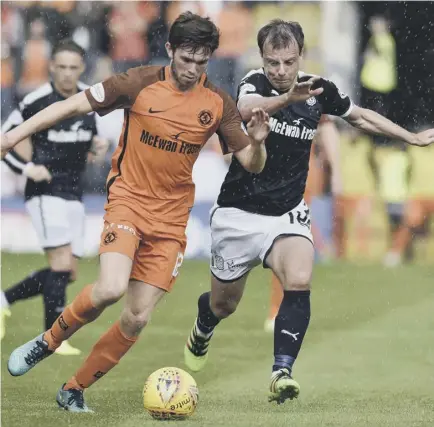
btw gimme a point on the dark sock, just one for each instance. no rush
(206, 319)
(55, 295)
(290, 328)
(31, 286)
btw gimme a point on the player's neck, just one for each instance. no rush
(180, 87)
(174, 81)
(65, 93)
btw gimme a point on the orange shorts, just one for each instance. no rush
(156, 248)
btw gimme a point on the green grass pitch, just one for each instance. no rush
(367, 360)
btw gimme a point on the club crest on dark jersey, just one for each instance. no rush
(205, 118)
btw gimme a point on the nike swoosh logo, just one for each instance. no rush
(178, 134)
(156, 111)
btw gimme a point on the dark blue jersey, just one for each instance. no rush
(280, 186)
(63, 148)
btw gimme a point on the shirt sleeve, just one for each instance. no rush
(118, 91)
(14, 120)
(252, 84)
(231, 131)
(15, 162)
(334, 101)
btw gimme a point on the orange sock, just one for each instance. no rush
(105, 355)
(75, 315)
(276, 297)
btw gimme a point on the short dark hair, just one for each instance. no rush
(68, 45)
(281, 34)
(193, 32)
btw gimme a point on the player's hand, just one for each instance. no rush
(302, 91)
(37, 173)
(424, 138)
(99, 149)
(259, 127)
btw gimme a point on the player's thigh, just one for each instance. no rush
(49, 216)
(76, 218)
(60, 258)
(289, 249)
(114, 275)
(225, 296)
(158, 262)
(430, 206)
(119, 244)
(141, 299)
(237, 238)
(291, 259)
(414, 213)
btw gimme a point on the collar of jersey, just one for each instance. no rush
(58, 93)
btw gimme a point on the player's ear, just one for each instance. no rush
(82, 67)
(303, 51)
(169, 50)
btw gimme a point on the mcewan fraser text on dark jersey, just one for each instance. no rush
(62, 149)
(280, 186)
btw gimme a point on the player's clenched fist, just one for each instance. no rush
(37, 173)
(424, 138)
(259, 127)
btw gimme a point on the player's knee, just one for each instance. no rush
(223, 309)
(108, 292)
(133, 321)
(61, 264)
(298, 281)
(60, 259)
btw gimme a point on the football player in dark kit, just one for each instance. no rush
(262, 218)
(54, 185)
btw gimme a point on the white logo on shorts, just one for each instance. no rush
(178, 264)
(218, 262)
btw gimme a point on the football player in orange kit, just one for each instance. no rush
(170, 113)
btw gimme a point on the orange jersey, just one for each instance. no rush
(164, 130)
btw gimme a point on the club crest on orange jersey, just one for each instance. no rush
(110, 237)
(205, 118)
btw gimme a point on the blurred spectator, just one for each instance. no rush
(379, 76)
(391, 168)
(157, 35)
(419, 207)
(235, 23)
(35, 58)
(128, 23)
(355, 203)
(11, 28)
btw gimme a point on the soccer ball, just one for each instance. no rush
(170, 394)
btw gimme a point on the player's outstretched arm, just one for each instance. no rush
(371, 122)
(301, 91)
(73, 106)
